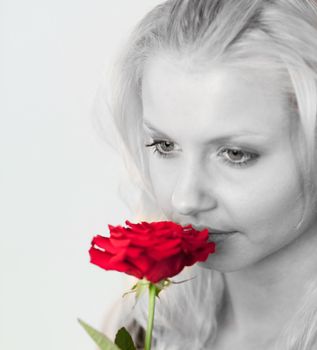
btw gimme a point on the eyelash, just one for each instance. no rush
(250, 155)
(154, 145)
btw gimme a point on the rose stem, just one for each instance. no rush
(149, 328)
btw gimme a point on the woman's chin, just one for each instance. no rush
(222, 263)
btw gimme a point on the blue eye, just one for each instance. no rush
(161, 147)
(237, 157)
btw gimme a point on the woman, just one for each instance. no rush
(216, 106)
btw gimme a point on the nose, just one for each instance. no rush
(193, 192)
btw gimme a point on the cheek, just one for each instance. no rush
(272, 205)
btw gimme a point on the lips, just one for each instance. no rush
(211, 230)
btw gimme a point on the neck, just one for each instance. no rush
(263, 298)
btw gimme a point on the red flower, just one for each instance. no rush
(156, 250)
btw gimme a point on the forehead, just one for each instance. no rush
(215, 100)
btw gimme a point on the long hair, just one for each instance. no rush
(278, 37)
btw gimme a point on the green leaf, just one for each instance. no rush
(141, 287)
(99, 338)
(161, 286)
(124, 340)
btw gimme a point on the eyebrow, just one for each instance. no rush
(242, 133)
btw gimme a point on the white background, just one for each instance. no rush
(57, 178)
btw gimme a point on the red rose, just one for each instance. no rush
(155, 250)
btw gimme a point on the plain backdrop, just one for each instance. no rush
(58, 180)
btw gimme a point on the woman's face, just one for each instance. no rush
(222, 158)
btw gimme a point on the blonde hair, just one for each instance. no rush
(275, 36)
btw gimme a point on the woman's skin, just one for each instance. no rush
(229, 165)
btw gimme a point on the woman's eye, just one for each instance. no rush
(232, 156)
(237, 157)
(163, 148)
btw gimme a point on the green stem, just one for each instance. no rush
(149, 328)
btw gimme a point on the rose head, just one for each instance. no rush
(155, 251)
